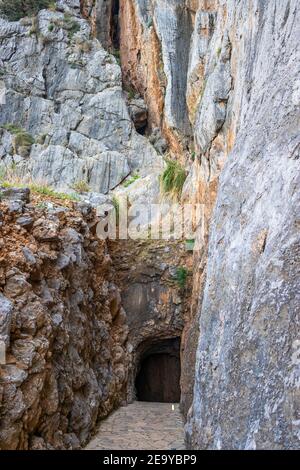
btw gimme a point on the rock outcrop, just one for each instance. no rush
(65, 120)
(61, 322)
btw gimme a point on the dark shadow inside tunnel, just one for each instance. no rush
(158, 377)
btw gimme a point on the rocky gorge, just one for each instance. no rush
(96, 99)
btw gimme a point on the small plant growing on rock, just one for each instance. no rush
(131, 180)
(190, 244)
(70, 25)
(131, 93)
(81, 187)
(116, 204)
(22, 139)
(150, 23)
(84, 46)
(41, 139)
(173, 179)
(181, 276)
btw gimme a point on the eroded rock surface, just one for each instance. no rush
(65, 90)
(62, 324)
(246, 394)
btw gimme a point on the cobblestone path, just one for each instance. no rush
(141, 426)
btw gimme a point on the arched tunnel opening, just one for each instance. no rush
(158, 372)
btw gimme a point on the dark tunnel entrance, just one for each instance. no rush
(158, 377)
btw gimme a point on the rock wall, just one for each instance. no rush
(65, 90)
(62, 322)
(246, 393)
(156, 304)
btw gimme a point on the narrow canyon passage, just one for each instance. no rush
(154, 421)
(141, 426)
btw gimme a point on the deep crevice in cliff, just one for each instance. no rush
(115, 25)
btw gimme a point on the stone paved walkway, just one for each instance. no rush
(141, 426)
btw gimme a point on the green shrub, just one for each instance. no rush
(181, 276)
(14, 10)
(173, 179)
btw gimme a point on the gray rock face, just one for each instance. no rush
(15, 194)
(5, 319)
(246, 393)
(174, 30)
(65, 90)
(138, 112)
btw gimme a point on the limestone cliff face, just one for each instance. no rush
(247, 369)
(65, 90)
(62, 322)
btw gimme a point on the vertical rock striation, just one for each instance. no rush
(246, 393)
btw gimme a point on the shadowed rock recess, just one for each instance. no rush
(96, 98)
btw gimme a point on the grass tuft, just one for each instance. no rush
(131, 180)
(173, 179)
(81, 187)
(42, 190)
